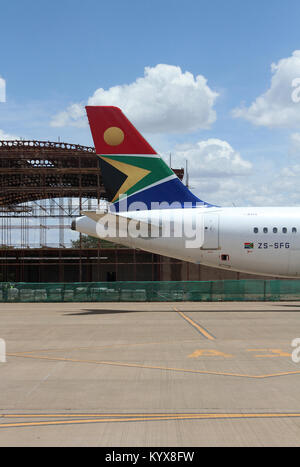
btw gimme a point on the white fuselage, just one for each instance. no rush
(264, 241)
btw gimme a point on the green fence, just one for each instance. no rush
(210, 291)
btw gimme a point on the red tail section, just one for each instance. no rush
(114, 134)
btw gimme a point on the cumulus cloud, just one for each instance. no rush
(219, 175)
(265, 187)
(279, 106)
(217, 172)
(7, 137)
(258, 189)
(164, 100)
(2, 90)
(74, 115)
(212, 158)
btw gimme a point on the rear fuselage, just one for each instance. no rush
(263, 241)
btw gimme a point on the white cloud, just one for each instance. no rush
(255, 190)
(164, 100)
(2, 90)
(217, 172)
(74, 115)
(212, 158)
(279, 106)
(291, 171)
(271, 187)
(219, 175)
(7, 137)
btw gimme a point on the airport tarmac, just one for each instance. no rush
(150, 374)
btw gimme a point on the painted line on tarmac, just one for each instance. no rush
(151, 367)
(204, 332)
(109, 346)
(147, 418)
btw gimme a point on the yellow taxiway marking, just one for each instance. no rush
(109, 346)
(144, 418)
(209, 353)
(199, 328)
(273, 353)
(151, 367)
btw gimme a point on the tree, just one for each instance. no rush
(86, 242)
(91, 242)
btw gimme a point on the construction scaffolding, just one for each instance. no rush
(42, 224)
(43, 187)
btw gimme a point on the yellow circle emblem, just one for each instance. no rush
(114, 136)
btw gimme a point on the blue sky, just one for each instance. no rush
(54, 54)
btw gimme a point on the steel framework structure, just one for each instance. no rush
(43, 186)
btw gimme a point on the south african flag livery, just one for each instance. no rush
(130, 166)
(249, 246)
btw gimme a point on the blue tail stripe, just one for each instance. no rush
(171, 191)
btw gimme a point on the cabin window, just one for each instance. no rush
(255, 230)
(275, 230)
(284, 230)
(294, 230)
(265, 229)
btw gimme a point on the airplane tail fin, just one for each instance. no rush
(130, 166)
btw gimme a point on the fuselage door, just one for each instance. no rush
(211, 231)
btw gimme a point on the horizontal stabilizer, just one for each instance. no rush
(117, 225)
(94, 215)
